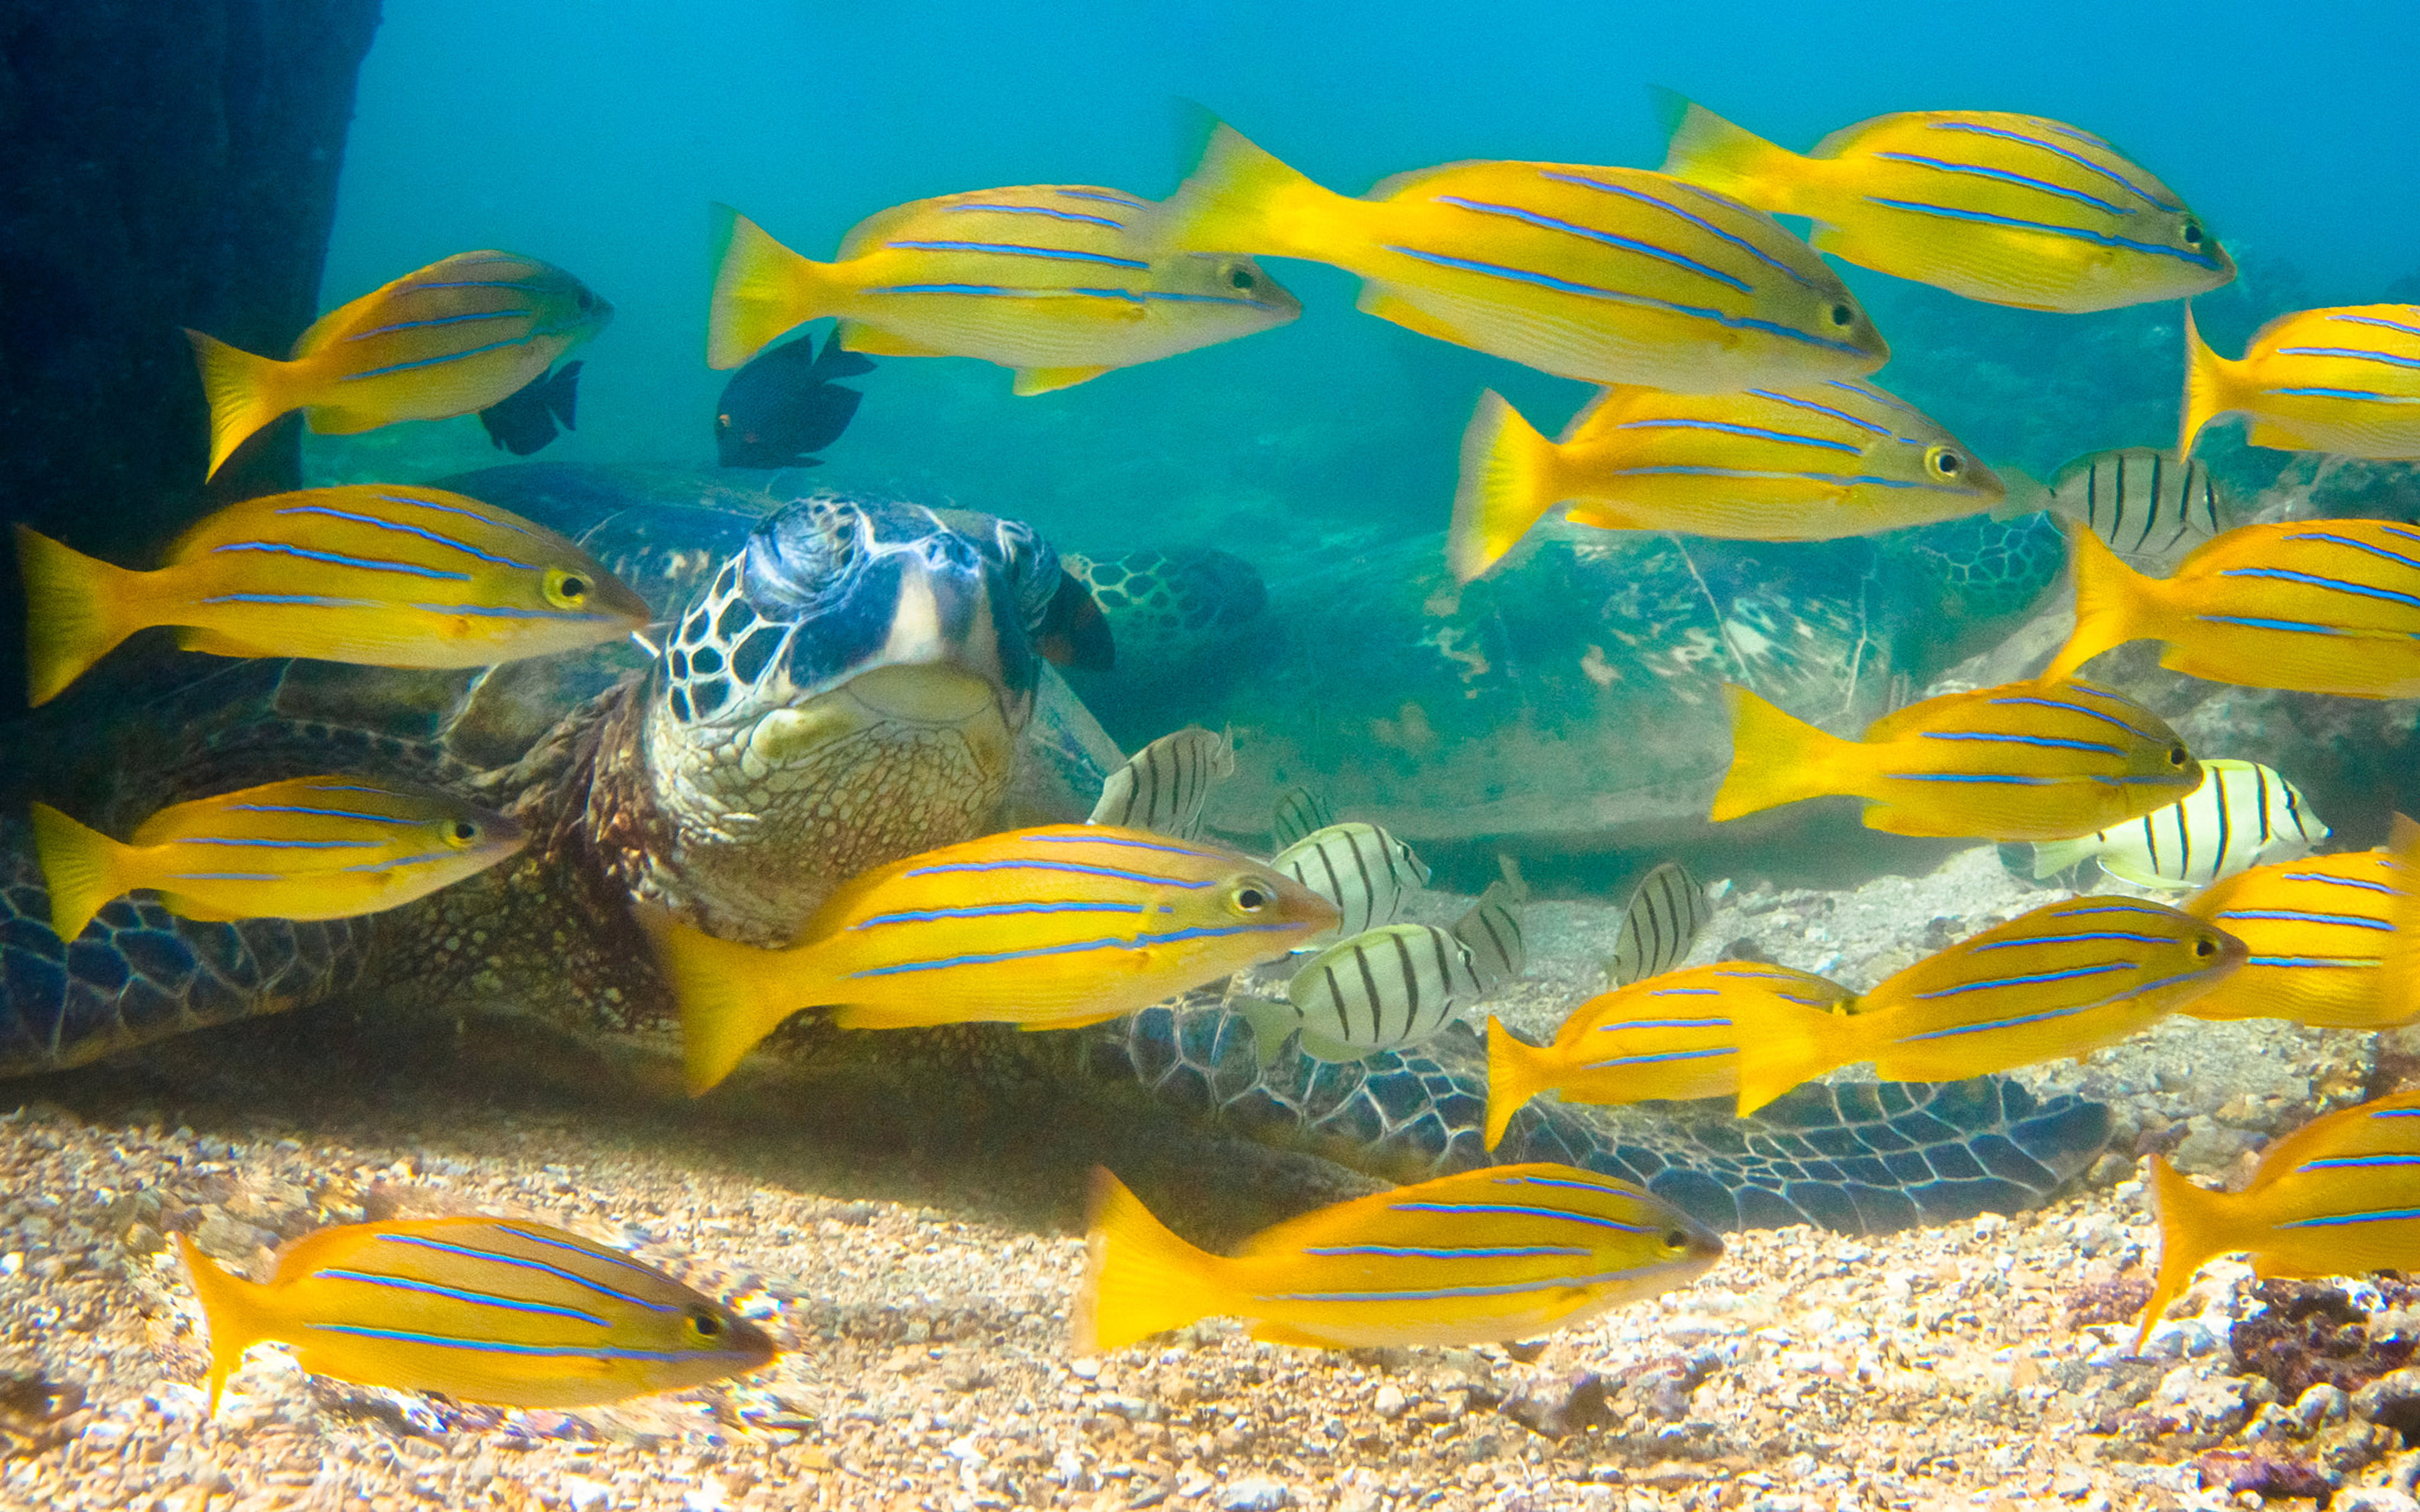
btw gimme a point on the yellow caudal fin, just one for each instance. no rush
(1516, 1072)
(730, 996)
(761, 290)
(1507, 487)
(1140, 1279)
(1707, 150)
(1776, 758)
(2193, 1223)
(231, 1305)
(1793, 1045)
(84, 868)
(245, 392)
(2108, 596)
(77, 610)
(2213, 387)
(1240, 199)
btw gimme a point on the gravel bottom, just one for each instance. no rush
(918, 1285)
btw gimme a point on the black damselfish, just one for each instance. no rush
(525, 423)
(785, 405)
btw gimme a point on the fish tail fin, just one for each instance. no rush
(2107, 592)
(2193, 1223)
(245, 392)
(1709, 151)
(82, 866)
(2055, 856)
(1516, 1072)
(230, 1305)
(1507, 487)
(1239, 198)
(2210, 387)
(761, 290)
(719, 986)
(1795, 1047)
(1776, 758)
(1272, 1021)
(1139, 1278)
(77, 610)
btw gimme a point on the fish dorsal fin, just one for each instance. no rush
(1901, 722)
(326, 329)
(1607, 407)
(1397, 186)
(863, 237)
(1847, 137)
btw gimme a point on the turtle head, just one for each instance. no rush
(850, 687)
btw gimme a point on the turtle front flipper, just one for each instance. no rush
(139, 973)
(1859, 1157)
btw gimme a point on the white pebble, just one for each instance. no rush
(586, 1495)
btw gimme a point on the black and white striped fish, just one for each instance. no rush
(1362, 869)
(1661, 921)
(1492, 933)
(2242, 815)
(1384, 988)
(1298, 814)
(2140, 500)
(1163, 786)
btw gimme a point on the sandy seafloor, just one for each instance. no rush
(917, 1269)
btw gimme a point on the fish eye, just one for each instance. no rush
(1251, 899)
(1947, 462)
(706, 1324)
(587, 301)
(461, 832)
(1241, 278)
(2205, 948)
(1842, 314)
(1675, 1239)
(2193, 233)
(2177, 756)
(567, 589)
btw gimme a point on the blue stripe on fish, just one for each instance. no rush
(1796, 403)
(523, 1263)
(1843, 479)
(2355, 353)
(1985, 777)
(321, 813)
(540, 1351)
(2027, 980)
(1659, 1060)
(1076, 867)
(483, 1299)
(2082, 162)
(2376, 320)
(280, 845)
(2254, 622)
(2303, 915)
(2313, 580)
(434, 507)
(1665, 1024)
(2075, 708)
(1438, 1252)
(1521, 1210)
(2357, 1163)
(1509, 1289)
(1037, 210)
(2338, 962)
(223, 876)
(1564, 285)
(2388, 888)
(2099, 238)
(927, 916)
(2383, 1216)
(2003, 176)
(313, 600)
(1625, 192)
(397, 863)
(445, 320)
(422, 533)
(1115, 942)
(1015, 249)
(1126, 200)
(1686, 992)
(338, 559)
(1663, 255)
(2005, 738)
(593, 1252)
(1790, 437)
(2032, 940)
(1099, 836)
(2314, 393)
(499, 611)
(2379, 552)
(433, 361)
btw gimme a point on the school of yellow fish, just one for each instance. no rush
(1734, 364)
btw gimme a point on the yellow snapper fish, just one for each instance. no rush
(1490, 1255)
(1659, 924)
(497, 1310)
(455, 337)
(309, 847)
(2242, 815)
(2140, 500)
(2039, 761)
(1799, 464)
(378, 573)
(1491, 930)
(2338, 1196)
(1297, 812)
(2323, 606)
(1362, 869)
(2317, 931)
(1679, 1034)
(1163, 786)
(1061, 281)
(1050, 928)
(1608, 275)
(2344, 381)
(2062, 981)
(1390, 988)
(2009, 209)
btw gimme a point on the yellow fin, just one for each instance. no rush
(2055, 856)
(1707, 150)
(245, 392)
(856, 337)
(1505, 487)
(1237, 197)
(1515, 1073)
(84, 868)
(1793, 1045)
(2192, 1231)
(2209, 386)
(230, 1305)
(77, 610)
(1376, 301)
(2107, 592)
(1285, 1334)
(1776, 758)
(720, 987)
(1139, 1278)
(761, 290)
(1046, 379)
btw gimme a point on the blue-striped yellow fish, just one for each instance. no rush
(453, 338)
(1297, 813)
(2010, 210)
(1061, 281)
(2064, 979)
(309, 847)
(1046, 929)
(2318, 930)
(1799, 464)
(1491, 930)
(1679, 1034)
(2044, 760)
(1163, 786)
(497, 1310)
(1659, 924)
(1609, 275)
(2325, 606)
(382, 574)
(2242, 815)
(1383, 988)
(1365, 872)
(2140, 500)
(1503, 1253)
(2338, 1196)
(2345, 380)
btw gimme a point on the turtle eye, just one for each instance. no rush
(567, 589)
(1842, 314)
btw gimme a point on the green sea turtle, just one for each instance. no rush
(836, 681)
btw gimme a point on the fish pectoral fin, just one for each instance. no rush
(856, 337)
(1031, 380)
(1377, 300)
